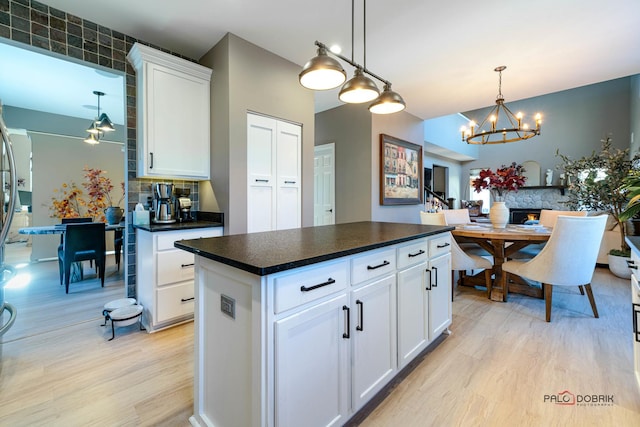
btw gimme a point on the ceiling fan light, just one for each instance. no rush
(91, 139)
(322, 72)
(105, 124)
(359, 89)
(388, 102)
(92, 129)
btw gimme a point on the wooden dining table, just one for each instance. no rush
(501, 243)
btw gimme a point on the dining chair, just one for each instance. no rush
(547, 219)
(69, 221)
(568, 259)
(460, 260)
(83, 242)
(462, 217)
(118, 240)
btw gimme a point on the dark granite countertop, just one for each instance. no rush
(273, 251)
(202, 220)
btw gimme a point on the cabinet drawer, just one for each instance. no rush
(439, 245)
(174, 301)
(309, 283)
(174, 266)
(165, 240)
(373, 265)
(413, 253)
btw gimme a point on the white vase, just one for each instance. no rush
(499, 215)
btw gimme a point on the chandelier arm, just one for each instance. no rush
(511, 117)
(352, 63)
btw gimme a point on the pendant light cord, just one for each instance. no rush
(364, 33)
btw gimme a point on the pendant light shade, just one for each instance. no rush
(359, 89)
(388, 102)
(322, 72)
(104, 124)
(92, 139)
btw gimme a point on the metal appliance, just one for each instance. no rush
(163, 205)
(183, 204)
(8, 188)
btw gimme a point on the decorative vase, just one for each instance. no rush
(618, 265)
(499, 215)
(113, 214)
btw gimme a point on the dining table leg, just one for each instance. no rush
(498, 294)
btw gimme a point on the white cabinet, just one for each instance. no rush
(312, 345)
(165, 276)
(373, 338)
(173, 116)
(273, 174)
(312, 366)
(635, 310)
(424, 295)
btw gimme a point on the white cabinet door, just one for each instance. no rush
(439, 295)
(413, 332)
(274, 172)
(311, 366)
(173, 115)
(373, 336)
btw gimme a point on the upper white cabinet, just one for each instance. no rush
(274, 173)
(173, 115)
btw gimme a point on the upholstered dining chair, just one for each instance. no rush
(460, 260)
(568, 258)
(83, 242)
(462, 217)
(547, 219)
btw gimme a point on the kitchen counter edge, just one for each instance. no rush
(275, 251)
(177, 226)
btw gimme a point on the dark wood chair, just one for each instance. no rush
(117, 245)
(69, 221)
(83, 242)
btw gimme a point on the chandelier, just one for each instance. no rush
(323, 72)
(503, 125)
(100, 125)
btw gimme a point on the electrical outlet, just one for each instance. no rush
(228, 306)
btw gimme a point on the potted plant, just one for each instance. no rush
(598, 184)
(632, 209)
(503, 180)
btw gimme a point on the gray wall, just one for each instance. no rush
(356, 133)
(634, 113)
(249, 78)
(574, 121)
(349, 127)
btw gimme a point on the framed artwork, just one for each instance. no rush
(400, 172)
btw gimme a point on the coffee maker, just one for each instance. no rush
(163, 203)
(183, 204)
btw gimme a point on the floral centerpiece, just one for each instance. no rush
(504, 179)
(72, 202)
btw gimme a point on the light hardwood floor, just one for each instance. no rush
(494, 370)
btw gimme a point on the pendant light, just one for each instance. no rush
(323, 72)
(100, 125)
(388, 102)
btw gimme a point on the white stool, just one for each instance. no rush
(124, 316)
(115, 304)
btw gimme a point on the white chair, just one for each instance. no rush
(460, 260)
(457, 216)
(547, 219)
(568, 258)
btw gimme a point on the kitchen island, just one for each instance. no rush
(305, 326)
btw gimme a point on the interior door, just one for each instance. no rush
(324, 211)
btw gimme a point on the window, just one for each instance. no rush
(483, 195)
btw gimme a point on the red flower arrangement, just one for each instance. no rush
(504, 179)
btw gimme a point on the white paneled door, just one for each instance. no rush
(324, 210)
(274, 174)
